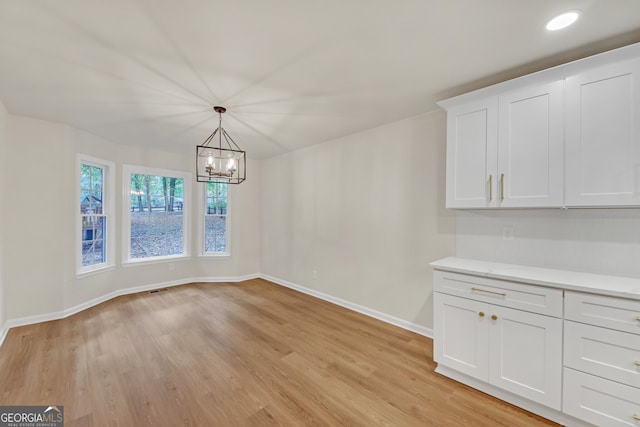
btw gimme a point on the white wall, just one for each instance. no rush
(366, 212)
(35, 163)
(605, 241)
(3, 119)
(40, 221)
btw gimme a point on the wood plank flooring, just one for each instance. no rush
(242, 354)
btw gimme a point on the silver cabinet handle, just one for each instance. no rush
(501, 187)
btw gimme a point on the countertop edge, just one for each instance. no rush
(608, 285)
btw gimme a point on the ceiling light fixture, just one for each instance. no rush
(218, 161)
(562, 21)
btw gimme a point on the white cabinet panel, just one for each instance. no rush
(603, 136)
(526, 355)
(460, 335)
(601, 402)
(531, 147)
(471, 154)
(603, 352)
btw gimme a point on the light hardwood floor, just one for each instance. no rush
(244, 354)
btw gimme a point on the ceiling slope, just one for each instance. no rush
(291, 73)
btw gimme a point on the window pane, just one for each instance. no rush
(85, 202)
(96, 178)
(92, 220)
(85, 177)
(156, 216)
(93, 246)
(215, 230)
(215, 234)
(96, 202)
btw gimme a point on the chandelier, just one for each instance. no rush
(219, 158)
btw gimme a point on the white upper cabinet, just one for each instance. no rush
(471, 154)
(530, 147)
(507, 151)
(603, 136)
(567, 136)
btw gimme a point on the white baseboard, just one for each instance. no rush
(404, 324)
(38, 318)
(3, 333)
(225, 279)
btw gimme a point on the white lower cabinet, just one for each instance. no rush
(599, 401)
(515, 350)
(550, 341)
(602, 359)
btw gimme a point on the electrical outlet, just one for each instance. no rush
(507, 233)
(172, 266)
(314, 274)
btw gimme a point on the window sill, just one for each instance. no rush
(215, 256)
(158, 260)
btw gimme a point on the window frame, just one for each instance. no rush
(202, 207)
(108, 212)
(127, 171)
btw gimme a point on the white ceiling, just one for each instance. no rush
(292, 73)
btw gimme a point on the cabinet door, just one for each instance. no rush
(525, 354)
(471, 154)
(603, 136)
(460, 335)
(531, 147)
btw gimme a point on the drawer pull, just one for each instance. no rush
(638, 318)
(492, 292)
(637, 362)
(636, 417)
(481, 314)
(494, 317)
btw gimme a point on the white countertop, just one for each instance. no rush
(626, 287)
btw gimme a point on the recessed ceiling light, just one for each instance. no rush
(562, 21)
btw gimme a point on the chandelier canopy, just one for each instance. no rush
(219, 158)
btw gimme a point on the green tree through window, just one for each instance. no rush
(156, 212)
(92, 214)
(215, 218)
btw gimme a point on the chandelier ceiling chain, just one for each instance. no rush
(220, 159)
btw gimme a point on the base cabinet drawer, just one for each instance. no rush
(607, 353)
(609, 312)
(519, 296)
(600, 402)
